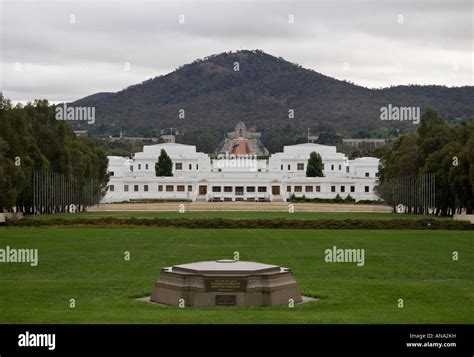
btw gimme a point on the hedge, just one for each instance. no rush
(338, 199)
(226, 223)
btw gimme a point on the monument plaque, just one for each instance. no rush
(226, 283)
(226, 300)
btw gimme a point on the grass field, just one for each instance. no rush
(88, 265)
(238, 215)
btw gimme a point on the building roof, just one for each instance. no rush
(118, 159)
(366, 159)
(304, 150)
(170, 148)
(308, 147)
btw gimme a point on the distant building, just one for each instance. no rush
(312, 138)
(168, 138)
(133, 138)
(364, 144)
(243, 141)
(197, 177)
(80, 132)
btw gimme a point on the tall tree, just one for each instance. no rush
(315, 165)
(441, 149)
(31, 139)
(461, 175)
(164, 166)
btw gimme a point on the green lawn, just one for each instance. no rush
(88, 265)
(238, 215)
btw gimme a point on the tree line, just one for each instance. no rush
(445, 151)
(32, 141)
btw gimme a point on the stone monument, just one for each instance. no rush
(226, 283)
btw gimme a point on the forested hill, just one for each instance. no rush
(215, 96)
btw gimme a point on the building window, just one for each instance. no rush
(367, 174)
(180, 188)
(281, 166)
(376, 174)
(219, 170)
(178, 166)
(190, 188)
(160, 188)
(332, 167)
(216, 188)
(288, 188)
(139, 166)
(353, 189)
(318, 188)
(190, 166)
(197, 166)
(300, 166)
(135, 188)
(333, 188)
(340, 168)
(343, 189)
(298, 188)
(145, 188)
(146, 166)
(169, 188)
(131, 168)
(227, 188)
(308, 189)
(347, 169)
(366, 188)
(250, 189)
(125, 188)
(111, 173)
(262, 189)
(289, 167)
(111, 188)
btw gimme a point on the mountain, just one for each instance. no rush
(214, 96)
(97, 96)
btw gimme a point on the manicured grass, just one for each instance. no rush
(88, 265)
(238, 215)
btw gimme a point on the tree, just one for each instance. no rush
(9, 175)
(164, 166)
(443, 150)
(461, 175)
(315, 166)
(33, 141)
(329, 138)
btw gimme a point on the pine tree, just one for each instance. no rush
(164, 166)
(315, 166)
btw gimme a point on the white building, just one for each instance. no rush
(198, 177)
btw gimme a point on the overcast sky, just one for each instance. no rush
(65, 50)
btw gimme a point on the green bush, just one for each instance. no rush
(226, 223)
(349, 199)
(337, 199)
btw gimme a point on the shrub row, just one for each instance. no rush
(225, 223)
(337, 199)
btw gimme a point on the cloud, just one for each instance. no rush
(375, 44)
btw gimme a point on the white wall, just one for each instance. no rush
(236, 174)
